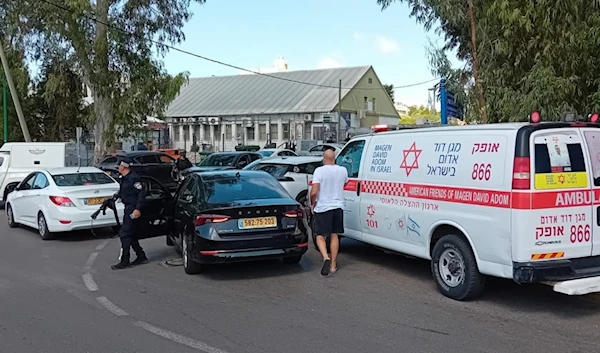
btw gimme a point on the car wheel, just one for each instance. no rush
(43, 228)
(10, 217)
(454, 269)
(190, 267)
(292, 260)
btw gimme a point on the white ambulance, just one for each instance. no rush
(512, 200)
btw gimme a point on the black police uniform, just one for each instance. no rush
(133, 196)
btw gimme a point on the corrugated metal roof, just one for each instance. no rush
(258, 94)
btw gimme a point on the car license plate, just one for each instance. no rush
(94, 201)
(262, 222)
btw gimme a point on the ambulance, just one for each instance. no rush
(509, 200)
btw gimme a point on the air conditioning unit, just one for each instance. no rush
(307, 117)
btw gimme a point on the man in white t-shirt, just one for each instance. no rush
(327, 202)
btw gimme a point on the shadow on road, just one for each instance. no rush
(526, 298)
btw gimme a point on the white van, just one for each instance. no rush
(514, 200)
(18, 159)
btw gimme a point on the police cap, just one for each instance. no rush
(126, 161)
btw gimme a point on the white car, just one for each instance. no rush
(62, 200)
(276, 152)
(293, 173)
(318, 150)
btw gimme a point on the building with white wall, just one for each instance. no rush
(224, 111)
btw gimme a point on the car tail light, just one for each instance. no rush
(203, 219)
(62, 201)
(521, 173)
(298, 213)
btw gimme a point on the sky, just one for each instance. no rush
(309, 34)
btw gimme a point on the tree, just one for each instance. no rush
(520, 56)
(111, 44)
(390, 91)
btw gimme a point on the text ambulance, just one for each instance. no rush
(518, 201)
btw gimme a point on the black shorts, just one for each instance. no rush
(329, 222)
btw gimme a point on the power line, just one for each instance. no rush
(64, 8)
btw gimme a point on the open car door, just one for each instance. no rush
(157, 214)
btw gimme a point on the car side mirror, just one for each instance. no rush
(11, 188)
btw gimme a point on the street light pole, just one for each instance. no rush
(5, 108)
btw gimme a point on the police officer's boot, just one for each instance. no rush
(140, 259)
(121, 265)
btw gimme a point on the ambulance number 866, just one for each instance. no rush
(580, 233)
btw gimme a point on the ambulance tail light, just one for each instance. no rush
(521, 173)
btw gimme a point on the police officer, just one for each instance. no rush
(133, 196)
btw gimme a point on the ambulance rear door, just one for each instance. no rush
(591, 137)
(561, 204)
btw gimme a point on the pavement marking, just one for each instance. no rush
(90, 260)
(172, 336)
(110, 306)
(89, 282)
(102, 245)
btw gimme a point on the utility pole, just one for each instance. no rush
(5, 108)
(14, 95)
(339, 123)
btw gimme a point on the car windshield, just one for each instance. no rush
(218, 160)
(232, 189)
(266, 153)
(82, 179)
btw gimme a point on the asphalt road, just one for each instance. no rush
(62, 296)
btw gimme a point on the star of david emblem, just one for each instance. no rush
(561, 179)
(555, 139)
(400, 223)
(414, 164)
(371, 211)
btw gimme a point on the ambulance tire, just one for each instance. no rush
(472, 282)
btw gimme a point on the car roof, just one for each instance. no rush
(214, 175)
(274, 149)
(72, 170)
(134, 154)
(292, 160)
(231, 153)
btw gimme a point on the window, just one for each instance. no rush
(27, 184)
(232, 189)
(218, 160)
(310, 167)
(243, 161)
(228, 131)
(274, 132)
(41, 181)
(262, 131)
(373, 106)
(1, 161)
(286, 131)
(350, 157)
(239, 132)
(147, 159)
(206, 129)
(165, 159)
(187, 194)
(266, 153)
(186, 132)
(196, 133)
(176, 133)
(276, 170)
(254, 156)
(250, 133)
(593, 142)
(81, 179)
(154, 190)
(370, 80)
(109, 160)
(559, 162)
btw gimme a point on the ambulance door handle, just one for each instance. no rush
(598, 215)
(358, 189)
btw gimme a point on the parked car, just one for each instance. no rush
(276, 152)
(61, 200)
(319, 149)
(294, 173)
(226, 161)
(155, 164)
(231, 216)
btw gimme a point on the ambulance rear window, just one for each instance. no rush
(558, 158)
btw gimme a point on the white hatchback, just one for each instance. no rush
(62, 200)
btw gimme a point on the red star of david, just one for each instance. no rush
(371, 211)
(555, 139)
(400, 223)
(561, 179)
(415, 163)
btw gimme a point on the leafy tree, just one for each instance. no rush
(390, 91)
(112, 43)
(419, 112)
(520, 56)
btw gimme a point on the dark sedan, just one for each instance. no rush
(231, 216)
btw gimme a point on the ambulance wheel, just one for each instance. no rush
(454, 269)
